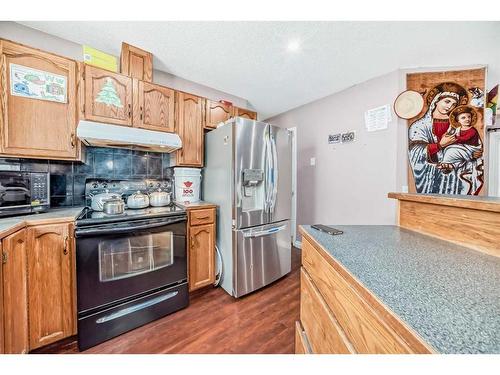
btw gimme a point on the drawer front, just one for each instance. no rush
(324, 334)
(199, 217)
(361, 324)
(302, 345)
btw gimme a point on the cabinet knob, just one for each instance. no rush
(4, 257)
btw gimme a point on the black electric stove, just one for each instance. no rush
(131, 267)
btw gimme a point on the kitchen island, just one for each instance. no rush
(429, 285)
(443, 294)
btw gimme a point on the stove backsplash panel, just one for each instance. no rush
(67, 179)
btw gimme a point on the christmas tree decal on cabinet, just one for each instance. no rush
(108, 95)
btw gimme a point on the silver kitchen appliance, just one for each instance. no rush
(248, 174)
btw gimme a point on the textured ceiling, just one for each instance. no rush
(250, 59)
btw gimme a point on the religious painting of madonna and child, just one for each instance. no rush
(445, 141)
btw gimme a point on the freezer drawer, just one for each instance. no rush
(261, 256)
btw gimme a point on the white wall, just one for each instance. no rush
(350, 182)
(50, 43)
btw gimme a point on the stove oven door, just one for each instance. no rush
(128, 259)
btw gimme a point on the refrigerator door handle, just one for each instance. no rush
(266, 232)
(267, 171)
(274, 185)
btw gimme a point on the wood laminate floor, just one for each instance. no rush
(214, 322)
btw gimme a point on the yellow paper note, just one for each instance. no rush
(100, 59)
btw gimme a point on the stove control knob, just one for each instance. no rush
(95, 185)
(104, 185)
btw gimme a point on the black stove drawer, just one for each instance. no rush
(104, 325)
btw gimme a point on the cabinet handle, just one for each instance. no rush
(129, 111)
(140, 115)
(192, 242)
(65, 250)
(72, 140)
(203, 217)
(5, 256)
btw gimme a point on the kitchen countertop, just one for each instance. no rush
(199, 204)
(447, 293)
(11, 224)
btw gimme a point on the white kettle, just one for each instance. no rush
(159, 198)
(137, 200)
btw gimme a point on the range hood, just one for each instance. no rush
(106, 135)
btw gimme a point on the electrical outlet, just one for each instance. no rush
(313, 161)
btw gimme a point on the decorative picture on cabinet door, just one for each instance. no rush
(108, 95)
(37, 84)
(446, 140)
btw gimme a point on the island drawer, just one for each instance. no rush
(363, 327)
(200, 217)
(322, 329)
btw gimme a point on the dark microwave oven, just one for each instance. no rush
(23, 192)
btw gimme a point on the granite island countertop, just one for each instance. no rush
(449, 294)
(9, 225)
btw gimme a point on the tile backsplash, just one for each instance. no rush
(67, 179)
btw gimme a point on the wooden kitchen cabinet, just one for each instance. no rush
(107, 97)
(154, 106)
(215, 113)
(15, 294)
(201, 247)
(2, 350)
(189, 125)
(246, 113)
(38, 111)
(136, 63)
(50, 283)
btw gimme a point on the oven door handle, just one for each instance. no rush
(128, 229)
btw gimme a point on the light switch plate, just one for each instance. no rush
(313, 161)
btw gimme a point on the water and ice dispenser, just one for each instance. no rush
(253, 189)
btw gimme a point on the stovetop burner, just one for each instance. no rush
(91, 217)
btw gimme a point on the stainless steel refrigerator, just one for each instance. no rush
(247, 174)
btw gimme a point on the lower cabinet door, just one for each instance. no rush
(50, 284)
(15, 302)
(1, 302)
(201, 256)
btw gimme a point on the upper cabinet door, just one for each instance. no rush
(240, 112)
(216, 113)
(37, 103)
(136, 63)
(190, 128)
(108, 96)
(154, 107)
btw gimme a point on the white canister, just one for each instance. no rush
(187, 184)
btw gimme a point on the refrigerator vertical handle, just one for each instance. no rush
(267, 172)
(274, 185)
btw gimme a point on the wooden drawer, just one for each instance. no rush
(323, 331)
(200, 217)
(302, 345)
(363, 327)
